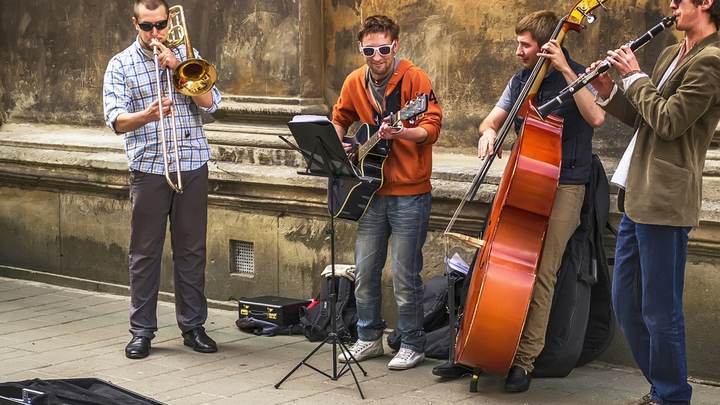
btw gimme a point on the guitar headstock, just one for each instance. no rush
(583, 10)
(414, 107)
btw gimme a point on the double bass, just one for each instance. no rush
(506, 262)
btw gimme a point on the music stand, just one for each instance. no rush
(324, 156)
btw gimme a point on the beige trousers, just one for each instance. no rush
(564, 219)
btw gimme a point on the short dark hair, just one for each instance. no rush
(150, 5)
(714, 11)
(540, 24)
(379, 23)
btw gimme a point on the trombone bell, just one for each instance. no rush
(195, 76)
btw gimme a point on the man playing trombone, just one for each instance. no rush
(139, 104)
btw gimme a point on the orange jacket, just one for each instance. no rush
(408, 167)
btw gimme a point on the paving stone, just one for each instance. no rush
(200, 398)
(26, 375)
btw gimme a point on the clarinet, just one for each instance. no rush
(582, 81)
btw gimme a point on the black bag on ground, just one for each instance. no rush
(73, 391)
(581, 325)
(435, 319)
(261, 327)
(315, 321)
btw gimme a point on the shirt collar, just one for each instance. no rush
(141, 49)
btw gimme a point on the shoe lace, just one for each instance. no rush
(405, 354)
(360, 346)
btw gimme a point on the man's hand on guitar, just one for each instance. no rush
(388, 132)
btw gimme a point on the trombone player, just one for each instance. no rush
(168, 153)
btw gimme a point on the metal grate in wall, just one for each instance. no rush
(242, 258)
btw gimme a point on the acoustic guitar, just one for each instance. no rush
(353, 196)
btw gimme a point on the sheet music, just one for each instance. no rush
(310, 118)
(619, 178)
(457, 263)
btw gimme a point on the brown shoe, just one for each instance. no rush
(646, 399)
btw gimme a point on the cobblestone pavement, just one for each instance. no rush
(54, 332)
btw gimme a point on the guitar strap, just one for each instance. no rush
(393, 102)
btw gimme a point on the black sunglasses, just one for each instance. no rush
(147, 26)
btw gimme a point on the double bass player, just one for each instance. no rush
(580, 116)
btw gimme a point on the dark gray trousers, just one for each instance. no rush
(153, 201)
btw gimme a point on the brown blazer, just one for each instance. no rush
(676, 125)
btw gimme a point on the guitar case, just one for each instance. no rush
(72, 391)
(581, 323)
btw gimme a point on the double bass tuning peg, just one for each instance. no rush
(591, 17)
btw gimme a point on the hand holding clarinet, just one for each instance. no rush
(622, 59)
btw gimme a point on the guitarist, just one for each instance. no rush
(400, 210)
(580, 116)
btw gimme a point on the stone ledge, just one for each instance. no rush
(264, 109)
(55, 154)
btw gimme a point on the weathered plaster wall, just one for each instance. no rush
(55, 53)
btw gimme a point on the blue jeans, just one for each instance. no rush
(647, 295)
(404, 221)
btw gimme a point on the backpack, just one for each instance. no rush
(315, 320)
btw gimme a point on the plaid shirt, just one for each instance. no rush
(130, 86)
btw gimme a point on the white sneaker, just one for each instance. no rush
(363, 350)
(405, 359)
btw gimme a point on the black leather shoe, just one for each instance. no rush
(450, 370)
(518, 380)
(199, 341)
(138, 348)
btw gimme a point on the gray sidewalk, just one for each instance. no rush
(54, 332)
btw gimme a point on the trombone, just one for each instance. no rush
(193, 77)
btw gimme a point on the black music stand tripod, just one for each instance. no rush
(324, 156)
